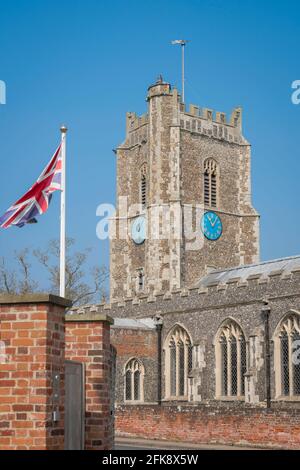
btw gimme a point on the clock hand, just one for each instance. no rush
(213, 223)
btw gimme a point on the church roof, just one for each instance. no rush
(144, 324)
(264, 269)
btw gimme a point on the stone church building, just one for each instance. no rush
(207, 336)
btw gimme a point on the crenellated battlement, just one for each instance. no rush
(212, 123)
(136, 129)
(134, 122)
(235, 119)
(204, 121)
(255, 287)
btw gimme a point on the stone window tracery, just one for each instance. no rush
(134, 380)
(178, 362)
(287, 357)
(231, 360)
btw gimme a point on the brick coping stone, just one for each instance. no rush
(39, 298)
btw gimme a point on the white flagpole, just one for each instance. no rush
(62, 287)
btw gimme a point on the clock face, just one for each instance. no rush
(211, 226)
(138, 230)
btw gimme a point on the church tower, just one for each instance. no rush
(183, 197)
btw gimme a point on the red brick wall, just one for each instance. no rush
(32, 350)
(250, 426)
(134, 343)
(129, 343)
(89, 342)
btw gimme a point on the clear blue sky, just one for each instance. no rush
(85, 63)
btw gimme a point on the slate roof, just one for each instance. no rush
(264, 269)
(144, 324)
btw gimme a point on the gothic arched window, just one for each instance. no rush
(143, 185)
(210, 183)
(287, 356)
(178, 365)
(134, 380)
(231, 360)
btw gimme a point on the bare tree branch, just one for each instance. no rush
(26, 284)
(83, 285)
(8, 282)
(77, 288)
(11, 282)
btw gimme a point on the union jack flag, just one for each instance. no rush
(36, 201)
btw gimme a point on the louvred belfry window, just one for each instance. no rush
(210, 183)
(143, 185)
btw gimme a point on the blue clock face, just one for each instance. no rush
(138, 230)
(211, 225)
